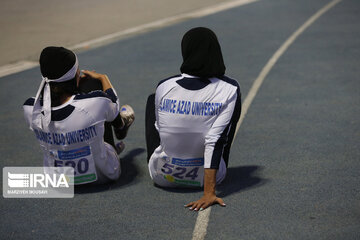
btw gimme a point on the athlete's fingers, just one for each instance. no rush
(189, 204)
(90, 73)
(87, 72)
(93, 74)
(199, 205)
(84, 77)
(193, 206)
(196, 207)
(205, 205)
(220, 202)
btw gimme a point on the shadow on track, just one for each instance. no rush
(128, 173)
(180, 189)
(237, 179)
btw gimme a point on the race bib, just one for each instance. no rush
(187, 172)
(80, 159)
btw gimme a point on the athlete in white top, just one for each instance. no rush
(73, 133)
(195, 116)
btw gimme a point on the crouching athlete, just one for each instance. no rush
(75, 129)
(191, 120)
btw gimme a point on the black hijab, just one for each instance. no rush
(201, 53)
(56, 61)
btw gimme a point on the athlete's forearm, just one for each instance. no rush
(209, 181)
(106, 84)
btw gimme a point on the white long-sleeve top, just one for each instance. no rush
(74, 136)
(194, 117)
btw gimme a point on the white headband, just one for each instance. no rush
(37, 118)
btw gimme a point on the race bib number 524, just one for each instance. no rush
(189, 172)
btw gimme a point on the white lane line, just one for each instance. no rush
(163, 22)
(269, 65)
(16, 67)
(201, 224)
(24, 65)
(202, 220)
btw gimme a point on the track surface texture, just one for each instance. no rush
(294, 166)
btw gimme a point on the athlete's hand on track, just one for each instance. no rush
(209, 198)
(204, 202)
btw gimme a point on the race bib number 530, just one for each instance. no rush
(81, 160)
